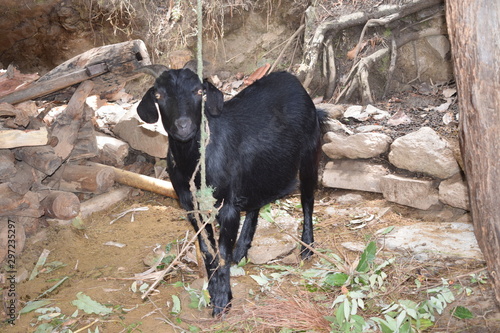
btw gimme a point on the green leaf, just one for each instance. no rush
(262, 280)
(30, 306)
(336, 279)
(367, 257)
(44, 328)
(176, 308)
(387, 230)
(237, 271)
(265, 213)
(461, 312)
(425, 324)
(87, 304)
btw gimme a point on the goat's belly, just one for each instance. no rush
(257, 194)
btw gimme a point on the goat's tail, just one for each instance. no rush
(323, 118)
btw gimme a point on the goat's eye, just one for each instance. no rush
(157, 95)
(200, 92)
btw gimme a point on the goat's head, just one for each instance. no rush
(178, 94)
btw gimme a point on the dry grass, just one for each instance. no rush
(281, 309)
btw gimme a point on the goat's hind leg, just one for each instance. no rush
(308, 175)
(246, 236)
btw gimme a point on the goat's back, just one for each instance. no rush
(259, 140)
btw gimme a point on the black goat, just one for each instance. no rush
(259, 141)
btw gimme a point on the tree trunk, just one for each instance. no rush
(474, 29)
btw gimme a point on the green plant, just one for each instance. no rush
(367, 282)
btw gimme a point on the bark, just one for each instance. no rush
(474, 29)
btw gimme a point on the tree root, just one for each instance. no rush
(380, 15)
(359, 73)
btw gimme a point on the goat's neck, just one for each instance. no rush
(185, 155)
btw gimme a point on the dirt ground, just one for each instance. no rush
(105, 273)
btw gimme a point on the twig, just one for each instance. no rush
(290, 40)
(166, 270)
(131, 210)
(85, 327)
(372, 23)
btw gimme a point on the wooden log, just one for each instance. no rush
(42, 158)
(46, 87)
(7, 167)
(82, 178)
(86, 144)
(112, 151)
(103, 201)
(12, 80)
(22, 138)
(122, 61)
(141, 181)
(14, 204)
(61, 205)
(66, 127)
(20, 115)
(24, 178)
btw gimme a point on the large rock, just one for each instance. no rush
(362, 145)
(354, 175)
(148, 138)
(454, 192)
(417, 193)
(447, 241)
(424, 151)
(270, 242)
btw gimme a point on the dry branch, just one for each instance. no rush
(140, 181)
(103, 201)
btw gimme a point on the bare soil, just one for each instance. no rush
(105, 273)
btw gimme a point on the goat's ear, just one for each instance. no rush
(147, 107)
(215, 99)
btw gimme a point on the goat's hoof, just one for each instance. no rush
(219, 312)
(306, 253)
(237, 257)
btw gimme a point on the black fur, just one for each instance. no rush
(259, 141)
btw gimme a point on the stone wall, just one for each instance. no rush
(419, 169)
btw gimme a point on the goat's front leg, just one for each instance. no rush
(246, 236)
(219, 285)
